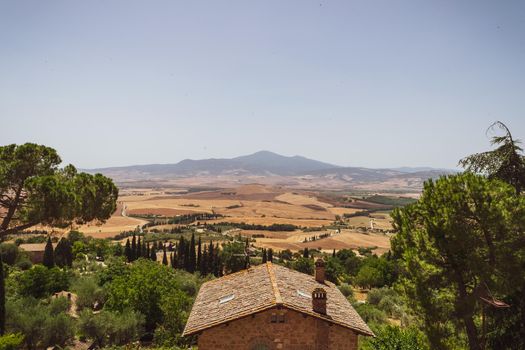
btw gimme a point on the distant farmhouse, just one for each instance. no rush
(272, 307)
(35, 251)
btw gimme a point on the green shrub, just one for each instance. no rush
(347, 290)
(42, 324)
(88, 292)
(40, 282)
(370, 314)
(111, 328)
(11, 341)
(9, 252)
(304, 265)
(396, 338)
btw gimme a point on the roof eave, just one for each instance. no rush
(187, 333)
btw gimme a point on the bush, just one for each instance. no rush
(370, 314)
(42, 325)
(304, 265)
(23, 264)
(176, 308)
(387, 300)
(347, 290)
(88, 292)
(11, 341)
(40, 281)
(9, 253)
(144, 286)
(395, 338)
(334, 270)
(368, 277)
(111, 328)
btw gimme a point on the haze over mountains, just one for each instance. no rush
(272, 168)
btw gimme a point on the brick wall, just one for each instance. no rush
(278, 329)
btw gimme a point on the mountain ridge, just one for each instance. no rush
(270, 167)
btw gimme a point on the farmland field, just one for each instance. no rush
(313, 214)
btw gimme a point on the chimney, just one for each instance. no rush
(319, 270)
(319, 301)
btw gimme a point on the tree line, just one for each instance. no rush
(186, 254)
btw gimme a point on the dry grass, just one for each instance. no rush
(346, 239)
(380, 221)
(299, 199)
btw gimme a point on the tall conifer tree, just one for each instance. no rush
(181, 253)
(127, 251)
(192, 259)
(210, 268)
(63, 253)
(199, 254)
(139, 248)
(153, 254)
(133, 248)
(164, 256)
(49, 259)
(217, 262)
(203, 267)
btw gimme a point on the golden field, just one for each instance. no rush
(253, 204)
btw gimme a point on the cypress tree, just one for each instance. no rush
(270, 255)
(203, 267)
(220, 267)
(306, 253)
(218, 262)
(199, 254)
(210, 267)
(139, 248)
(173, 261)
(153, 254)
(64, 253)
(264, 257)
(148, 253)
(2, 298)
(164, 256)
(133, 248)
(181, 253)
(127, 251)
(49, 260)
(187, 258)
(144, 251)
(333, 254)
(193, 258)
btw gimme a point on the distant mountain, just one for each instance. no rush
(269, 167)
(259, 163)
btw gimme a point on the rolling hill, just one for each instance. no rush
(269, 167)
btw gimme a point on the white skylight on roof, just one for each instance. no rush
(303, 294)
(226, 298)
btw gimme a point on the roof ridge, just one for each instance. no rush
(232, 275)
(273, 280)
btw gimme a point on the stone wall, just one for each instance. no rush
(278, 329)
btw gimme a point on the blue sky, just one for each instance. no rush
(360, 83)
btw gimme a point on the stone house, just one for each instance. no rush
(35, 251)
(273, 307)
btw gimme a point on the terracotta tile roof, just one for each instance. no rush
(264, 287)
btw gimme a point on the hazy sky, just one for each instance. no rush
(361, 83)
